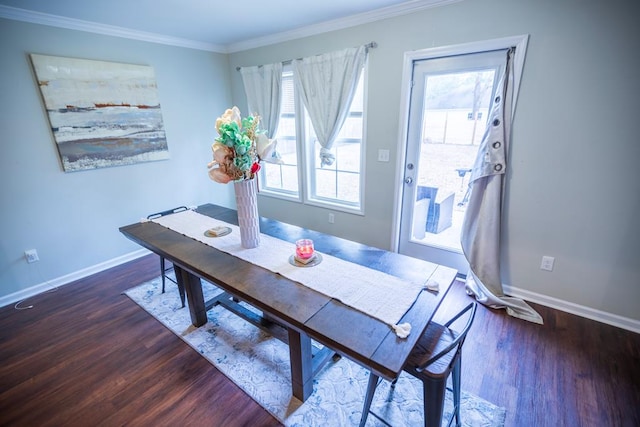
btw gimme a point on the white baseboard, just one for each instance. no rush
(69, 278)
(579, 310)
(569, 307)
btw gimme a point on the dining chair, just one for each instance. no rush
(435, 357)
(164, 270)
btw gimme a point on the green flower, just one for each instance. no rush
(229, 134)
(247, 122)
(243, 162)
(242, 144)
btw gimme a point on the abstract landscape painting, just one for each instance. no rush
(101, 113)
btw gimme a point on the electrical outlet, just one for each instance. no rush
(332, 218)
(547, 263)
(31, 255)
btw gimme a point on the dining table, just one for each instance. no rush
(316, 327)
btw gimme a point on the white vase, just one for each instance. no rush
(248, 219)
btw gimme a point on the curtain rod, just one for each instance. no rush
(371, 45)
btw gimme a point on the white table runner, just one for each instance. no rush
(380, 295)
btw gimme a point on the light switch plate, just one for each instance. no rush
(383, 155)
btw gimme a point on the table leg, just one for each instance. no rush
(301, 364)
(193, 288)
(181, 292)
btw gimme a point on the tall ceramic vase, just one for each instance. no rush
(248, 220)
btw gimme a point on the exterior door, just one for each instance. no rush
(447, 113)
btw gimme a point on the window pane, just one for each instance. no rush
(288, 104)
(287, 127)
(348, 156)
(352, 128)
(452, 102)
(283, 178)
(271, 177)
(349, 187)
(357, 105)
(325, 184)
(340, 182)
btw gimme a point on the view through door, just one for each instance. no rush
(449, 102)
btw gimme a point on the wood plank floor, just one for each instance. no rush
(86, 355)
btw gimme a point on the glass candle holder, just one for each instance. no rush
(304, 248)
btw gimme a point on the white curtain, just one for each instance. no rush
(480, 235)
(327, 84)
(263, 85)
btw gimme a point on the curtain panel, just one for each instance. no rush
(482, 223)
(263, 86)
(327, 84)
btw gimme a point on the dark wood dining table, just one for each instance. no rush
(291, 311)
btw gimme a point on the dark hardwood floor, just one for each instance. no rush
(86, 355)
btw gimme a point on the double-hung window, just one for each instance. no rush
(284, 179)
(300, 175)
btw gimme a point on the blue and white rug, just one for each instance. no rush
(259, 364)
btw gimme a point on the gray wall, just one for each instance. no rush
(72, 219)
(572, 189)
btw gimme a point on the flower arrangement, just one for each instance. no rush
(239, 148)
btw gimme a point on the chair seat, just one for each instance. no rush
(435, 339)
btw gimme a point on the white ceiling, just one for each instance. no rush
(210, 24)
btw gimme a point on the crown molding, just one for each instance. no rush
(24, 15)
(339, 24)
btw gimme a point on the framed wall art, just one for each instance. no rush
(101, 113)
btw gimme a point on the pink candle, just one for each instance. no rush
(304, 248)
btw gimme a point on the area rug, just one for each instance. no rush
(259, 364)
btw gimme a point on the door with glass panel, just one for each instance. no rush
(448, 109)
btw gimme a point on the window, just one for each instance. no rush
(338, 185)
(283, 178)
